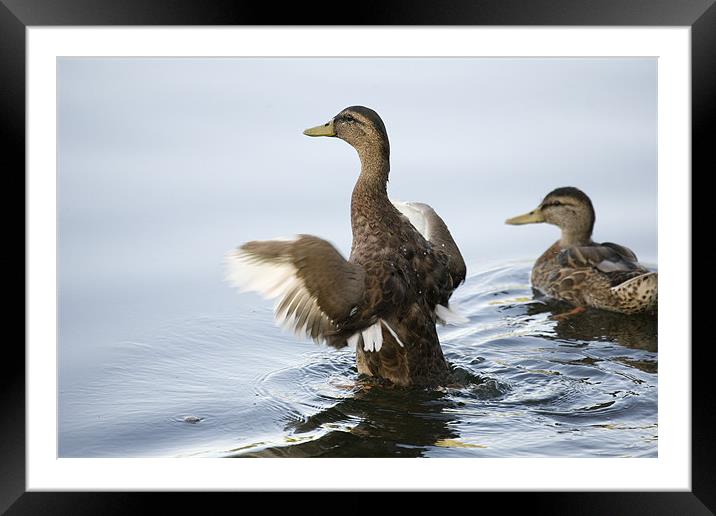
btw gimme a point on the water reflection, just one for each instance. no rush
(638, 331)
(375, 422)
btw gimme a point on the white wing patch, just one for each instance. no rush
(450, 315)
(295, 309)
(416, 215)
(373, 336)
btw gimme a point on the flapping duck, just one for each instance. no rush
(387, 297)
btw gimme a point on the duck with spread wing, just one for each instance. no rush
(387, 297)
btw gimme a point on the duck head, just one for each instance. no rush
(567, 208)
(359, 126)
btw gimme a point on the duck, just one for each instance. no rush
(581, 272)
(387, 297)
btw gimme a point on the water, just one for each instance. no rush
(526, 385)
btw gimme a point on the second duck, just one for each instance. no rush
(582, 272)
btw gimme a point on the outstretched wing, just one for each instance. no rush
(315, 288)
(434, 230)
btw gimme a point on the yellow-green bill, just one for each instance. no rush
(321, 130)
(528, 218)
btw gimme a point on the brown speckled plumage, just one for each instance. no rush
(582, 272)
(394, 277)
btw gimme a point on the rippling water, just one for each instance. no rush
(526, 384)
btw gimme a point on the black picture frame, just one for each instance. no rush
(17, 15)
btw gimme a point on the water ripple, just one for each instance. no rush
(525, 384)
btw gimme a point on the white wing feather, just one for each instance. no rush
(415, 212)
(274, 280)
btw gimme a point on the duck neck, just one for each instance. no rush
(574, 238)
(370, 194)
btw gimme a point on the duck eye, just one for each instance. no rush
(556, 203)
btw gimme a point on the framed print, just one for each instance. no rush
(159, 160)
